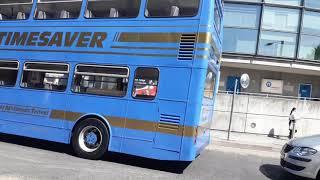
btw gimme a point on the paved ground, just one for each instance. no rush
(22, 158)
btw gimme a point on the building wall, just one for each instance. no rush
(265, 115)
(291, 81)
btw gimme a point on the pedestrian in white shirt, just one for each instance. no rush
(292, 123)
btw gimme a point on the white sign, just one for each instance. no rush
(245, 81)
(272, 86)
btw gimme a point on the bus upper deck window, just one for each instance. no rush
(57, 9)
(15, 9)
(172, 8)
(112, 8)
(8, 73)
(145, 83)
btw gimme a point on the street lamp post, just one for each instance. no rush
(232, 105)
(244, 81)
(277, 42)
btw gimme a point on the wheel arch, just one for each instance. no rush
(96, 116)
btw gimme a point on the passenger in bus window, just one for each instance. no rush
(172, 8)
(112, 9)
(15, 10)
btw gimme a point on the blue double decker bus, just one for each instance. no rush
(132, 76)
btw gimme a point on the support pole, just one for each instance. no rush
(232, 105)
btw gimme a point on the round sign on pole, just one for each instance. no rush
(245, 81)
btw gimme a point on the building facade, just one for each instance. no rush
(277, 42)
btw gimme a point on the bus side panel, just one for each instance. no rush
(35, 131)
(112, 109)
(188, 150)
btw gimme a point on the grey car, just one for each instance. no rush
(301, 156)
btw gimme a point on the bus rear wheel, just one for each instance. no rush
(90, 139)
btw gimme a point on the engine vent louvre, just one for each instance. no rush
(187, 45)
(169, 122)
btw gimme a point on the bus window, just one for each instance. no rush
(209, 85)
(145, 83)
(101, 80)
(56, 9)
(172, 8)
(8, 73)
(112, 8)
(15, 9)
(48, 76)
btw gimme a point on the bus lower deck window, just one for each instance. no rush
(145, 83)
(112, 9)
(47, 76)
(15, 9)
(101, 80)
(56, 9)
(8, 73)
(172, 8)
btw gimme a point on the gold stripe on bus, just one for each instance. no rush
(145, 48)
(204, 37)
(116, 121)
(143, 125)
(150, 37)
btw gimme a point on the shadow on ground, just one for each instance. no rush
(275, 172)
(167, 166)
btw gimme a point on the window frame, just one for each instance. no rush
(110, 18)
(214, 80)
(99, 74)
(13, 69)
(30, 13)
(133, 83)
(171, 17)
(49, 71)
(56, 19)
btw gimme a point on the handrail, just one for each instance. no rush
(270, 95)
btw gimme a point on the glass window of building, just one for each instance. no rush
(285, 2)
(312, 4)
(238, 40)
(241, 28)
(280, 19)
(55, 9)
(238, 15)
(15, 9)
(309, 47)
(277, 44)
(172, 8)
(112, 9)
(311, 23)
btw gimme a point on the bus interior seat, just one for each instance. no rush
(88, 14)
(146, 13)
(114, 13)
(175, 11)
(42, 15)
(21, 15)
(64, 14)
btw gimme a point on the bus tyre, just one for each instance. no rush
(90, 139)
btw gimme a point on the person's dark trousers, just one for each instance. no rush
(290, 133)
